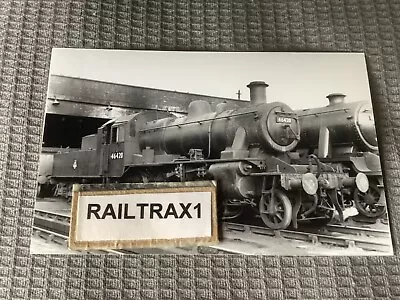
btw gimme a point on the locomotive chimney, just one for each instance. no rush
(335, 98)
(258, 92)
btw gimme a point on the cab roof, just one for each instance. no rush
(120, 120)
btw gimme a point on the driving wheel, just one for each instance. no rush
(276, 210)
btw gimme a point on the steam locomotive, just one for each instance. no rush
(345, 132)
(249, 151)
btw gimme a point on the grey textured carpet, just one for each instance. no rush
(28, 31)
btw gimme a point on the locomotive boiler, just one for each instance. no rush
(249, 151)
(270, 126)
(345, 132)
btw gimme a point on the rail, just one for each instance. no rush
(312, 237)
(361, 231)
(50, 226)
(55, 227)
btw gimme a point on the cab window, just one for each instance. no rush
(114, 133)
(106, 135)
(121, 134)
(117, 134)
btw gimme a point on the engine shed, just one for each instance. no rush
(76, 107)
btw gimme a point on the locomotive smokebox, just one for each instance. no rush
(335, 98)
(258, 93)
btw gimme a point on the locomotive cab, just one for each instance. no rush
(111, 147)
(118, 142)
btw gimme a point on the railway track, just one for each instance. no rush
(62, 239)
(359, 231)
(351, 236)
(54, 227)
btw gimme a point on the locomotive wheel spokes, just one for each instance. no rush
(276, 210)
(367, 203)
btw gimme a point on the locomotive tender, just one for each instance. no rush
(345, 132)
(248, 151)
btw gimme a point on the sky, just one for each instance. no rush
(301, 80)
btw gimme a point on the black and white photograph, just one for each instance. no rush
(288, 138)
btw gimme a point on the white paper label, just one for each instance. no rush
(144, 216)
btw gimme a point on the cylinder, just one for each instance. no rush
(258, 93)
